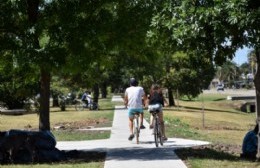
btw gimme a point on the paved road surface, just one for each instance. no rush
(233, 92)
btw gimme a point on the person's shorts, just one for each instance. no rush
(155, 107)
(132, 111)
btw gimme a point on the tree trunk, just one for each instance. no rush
(44, 118)
(96, 93)
(257, 88)
(171, 99)
(104, 90)
(170, 94)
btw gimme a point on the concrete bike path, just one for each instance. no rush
(122, 153)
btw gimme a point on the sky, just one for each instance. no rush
(241, 56)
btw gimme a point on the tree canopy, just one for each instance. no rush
(71, 37)
(182, 40)
(214, 28)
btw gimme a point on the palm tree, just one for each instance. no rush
(228, 72)
(251, 56)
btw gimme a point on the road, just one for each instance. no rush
(232, 92)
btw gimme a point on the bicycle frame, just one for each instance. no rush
(80, 106)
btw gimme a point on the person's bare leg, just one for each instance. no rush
(131, 126)
(162, 123)
(141, 118)
(151, 121)
(163, 129)
(130, 138)
(142, 121)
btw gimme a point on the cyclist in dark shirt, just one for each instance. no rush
(156, 101)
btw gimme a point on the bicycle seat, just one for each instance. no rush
(136, 113)
(154, 111)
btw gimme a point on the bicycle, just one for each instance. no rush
(157, 129)
(136, 127)
(80, 106)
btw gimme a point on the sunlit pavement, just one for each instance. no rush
(232, 92)
(122, 153)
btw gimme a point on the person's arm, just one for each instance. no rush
(83, 97)
(165, 102)
(126, 100)
(145, 100)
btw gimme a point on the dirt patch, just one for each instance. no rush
(222, 127)
(229, 104)
(212, 151)
(82, 124)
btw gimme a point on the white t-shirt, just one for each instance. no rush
(89, 98)
(135, 94)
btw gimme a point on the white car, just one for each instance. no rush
(220, 87)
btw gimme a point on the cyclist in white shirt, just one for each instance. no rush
(134, 98)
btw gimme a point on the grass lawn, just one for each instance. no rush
(59, 165)
(217, 120)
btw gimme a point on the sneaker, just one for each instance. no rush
(164, 138)
(131, 137)
(142, 127)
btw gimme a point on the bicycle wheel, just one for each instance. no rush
(79, 106)
(160, 134)
(155, 131)
(93, 106)
(136, 129)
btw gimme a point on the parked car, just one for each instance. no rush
(239, 84)
(220, 87)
